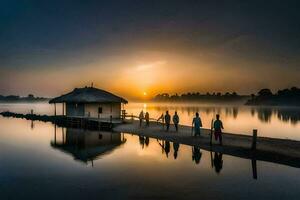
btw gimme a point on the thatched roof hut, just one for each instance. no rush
(88, 95)
(90, 102)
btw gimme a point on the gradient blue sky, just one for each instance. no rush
(131, 47)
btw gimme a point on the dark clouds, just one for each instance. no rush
(42, 34)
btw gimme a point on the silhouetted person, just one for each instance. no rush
(147, 118)
(196, 154)
(218, 126)
(167, 148)
(218, 162)
(141, 117)
(176, 148)
(197, 123)
(167, 120)
(176, 120)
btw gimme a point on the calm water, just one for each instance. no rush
(39, 161)
(277, 122)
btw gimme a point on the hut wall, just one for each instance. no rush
(108, 109)
(73, 109)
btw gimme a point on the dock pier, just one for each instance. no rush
(67, 121)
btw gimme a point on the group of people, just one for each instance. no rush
(146, 117)
(166, 120)
(217, 125)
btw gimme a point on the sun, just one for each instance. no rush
(145, 93)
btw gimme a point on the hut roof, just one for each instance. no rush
(88, 95)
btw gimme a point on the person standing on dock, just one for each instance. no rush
(147, 118)
(176, 120)
(167, 120)
(141, 117)
(218, 126)
(197, 124)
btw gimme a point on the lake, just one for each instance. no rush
(276, 122)
(39, 161)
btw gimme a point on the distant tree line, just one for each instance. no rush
(285, 97)
(16, 98)
(197, 96)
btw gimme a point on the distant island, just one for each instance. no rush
(198, 97)
(285, 97)
(16, 98)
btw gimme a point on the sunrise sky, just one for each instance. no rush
(136, 47)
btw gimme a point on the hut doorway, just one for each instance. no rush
(75, 109)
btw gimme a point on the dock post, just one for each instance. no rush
(211, 131)
(254, 138)
(63, 109)
(254, 168)
(54, 109)
(111, 124)
(54, 134)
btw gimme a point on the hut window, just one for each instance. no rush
(100, 110)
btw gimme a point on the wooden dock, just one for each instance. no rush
(281, 151)
(67, 121)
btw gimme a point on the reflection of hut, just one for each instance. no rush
(86, 145)
(90, 102)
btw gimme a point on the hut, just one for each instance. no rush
(90, 102)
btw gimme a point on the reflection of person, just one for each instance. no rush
(218, 162)
(196, 154)
(176, 120)
(142, 141)
(167, 148)
(147, 118)
(141, 117)
(176, 148)
(147, 141)
(197, 124)
(167, 120)
(218, 126)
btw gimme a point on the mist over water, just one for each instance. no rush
(277, 122)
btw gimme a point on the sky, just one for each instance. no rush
(139, 47)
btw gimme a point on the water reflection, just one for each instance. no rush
(36, 168)
(217, 161)
(144, 141)
(86, 145)
(176, 148)
(264, 114)
(196, 154)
